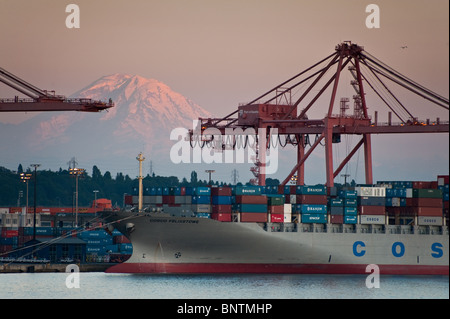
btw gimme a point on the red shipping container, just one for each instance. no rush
(254, 217)
(183, 191)
(277, 218)
(251, 199)
(128, 200)
(222, 217)
(312, 199)
(168, 199)
(444, 179)
(427, 202)
(221, 191)
(337, 219)
(428, 211)
(221, 209)
(10, 233)
(372, 210)
(121, 239)
(277, 209)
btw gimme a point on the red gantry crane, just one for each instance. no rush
(42, 100)
(276, 110)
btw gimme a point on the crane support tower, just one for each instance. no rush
(42, 100)
(276, 109)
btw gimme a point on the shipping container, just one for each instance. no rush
(201, 199)
(350, 211)
(221, 191)
(277, 218)
(346, 194)
(201, 208)
(430, 220)
(277, 209)
(275, 200)
(337, 219)
(202, 191)
(371, 201)
(336, 202)
(372, 210)
(427, 211)
(287, 209)
(427, 202)
(350, 219)
(373, 219)
(351, 202)
(312, 199)
(311, 190)
(223, 217)
(202, 215)
(251, 208)
(314, 218)
(249, 199)
(247, 190)
(427, 193)
(308, 208)
(337, 210)
(221, 200)
(221, 209)
(253, 217)
(371, 191)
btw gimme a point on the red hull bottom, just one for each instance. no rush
(236, 268)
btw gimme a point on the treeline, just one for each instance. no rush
(58, 188)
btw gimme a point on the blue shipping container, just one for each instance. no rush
(353, 211)
(201, 199)
(350, 219)
(314, 218)
(311, 190)
(247, 190)
(252, 208)
(352, 202)
(221, 200)
(318, 209)
(202, 190)
(348, 194)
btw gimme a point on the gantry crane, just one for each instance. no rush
(290, 118)
(42, 100)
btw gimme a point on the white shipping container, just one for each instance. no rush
(287, 209)
(409, 193)
(293, 199)
(373, 219)
(429, 220)
(287, 218)
(371, 191)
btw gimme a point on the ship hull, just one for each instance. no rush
(164, 244)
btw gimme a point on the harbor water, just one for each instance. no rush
(98, 285)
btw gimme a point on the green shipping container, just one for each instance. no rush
(427, 193)
(275, 200)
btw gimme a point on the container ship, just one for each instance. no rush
(399, 226)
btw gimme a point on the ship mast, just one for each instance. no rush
(140, 158)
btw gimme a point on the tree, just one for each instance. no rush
(194, 178)
(96, 174)
(20, 169)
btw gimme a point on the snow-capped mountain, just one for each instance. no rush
(144, 114)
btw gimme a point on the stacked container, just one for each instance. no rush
(371, 204)
(427, 206)
(311, 203)
(276, 208)
(221, 203)
(443, 185)
(201, 202)
(250, 204)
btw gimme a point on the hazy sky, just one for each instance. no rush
(217, 53)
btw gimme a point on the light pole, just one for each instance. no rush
(25, 178)
(95, 200)
(76, 172)
(34, 212)
(210, 171)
